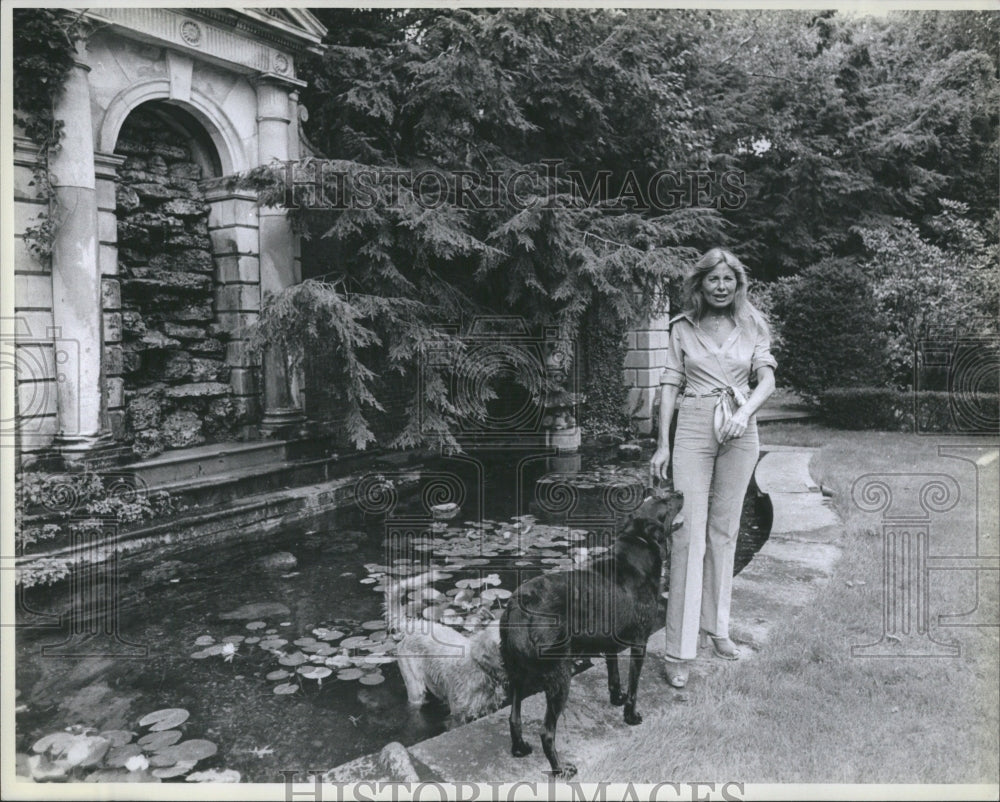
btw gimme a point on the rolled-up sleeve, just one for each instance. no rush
(762, 356)
(673, 370)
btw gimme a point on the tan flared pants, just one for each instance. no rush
(714, 480)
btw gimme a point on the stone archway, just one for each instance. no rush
(175, 370)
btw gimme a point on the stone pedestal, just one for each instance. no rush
(76, 278)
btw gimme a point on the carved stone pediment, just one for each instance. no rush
(245, 40)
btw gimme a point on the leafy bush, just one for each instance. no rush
(923, 287)
(884, 408)
(890, 409)
(604, 350)
(831, 332)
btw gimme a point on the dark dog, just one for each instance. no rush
(600, 609)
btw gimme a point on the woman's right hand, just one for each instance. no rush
(659, 462)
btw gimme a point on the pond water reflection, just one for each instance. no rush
(277, 646)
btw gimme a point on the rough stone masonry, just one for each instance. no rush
(177, 391)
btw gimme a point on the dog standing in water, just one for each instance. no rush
(463, 670)
(598, 609)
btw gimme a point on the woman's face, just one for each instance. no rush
(718, 288)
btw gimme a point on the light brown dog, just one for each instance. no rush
(465, 671)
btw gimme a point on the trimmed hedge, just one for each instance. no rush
(905, 410)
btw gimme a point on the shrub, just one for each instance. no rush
(831, 334)
(890, 409)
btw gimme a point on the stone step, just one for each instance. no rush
(199, 462)
(778, 415)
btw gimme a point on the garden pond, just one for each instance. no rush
(256, 655)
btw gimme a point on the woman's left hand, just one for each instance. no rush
(737, 424)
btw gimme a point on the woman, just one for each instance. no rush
(718, 340)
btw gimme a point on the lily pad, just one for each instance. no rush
(338, 661)
(304, 641)
(233, 639)
(118, 738)
(120, 776)
(354, 642)
(293, 659)
(328, 634)
(315, 672)
(181, 767)
(350, 673)
(279, 674)
(165, 719)
(273, 643)
(116, 758)
(204, 640)
(285, 688)
(199, 655)
(379, 659)
(374, 624)
(368, 580)
(156, 741)
(161, 760)
(194, 750)
(251, 641)
(375, 678)
(55, 741)
(255, 625)
(496, 593)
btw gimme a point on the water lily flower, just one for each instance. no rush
(228, 652)
(137, 763)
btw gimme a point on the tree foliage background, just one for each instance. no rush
(866, 139)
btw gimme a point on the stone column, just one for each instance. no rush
(278, 266)
(105, 170)
(76, 276)
(644, 361)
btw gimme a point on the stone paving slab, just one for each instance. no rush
(800, 512)
(785, 472)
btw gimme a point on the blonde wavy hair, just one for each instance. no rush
(694, 303)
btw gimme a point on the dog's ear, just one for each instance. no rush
(661, 507)
(643, 529)
(670, 507)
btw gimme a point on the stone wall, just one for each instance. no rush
(177, 390)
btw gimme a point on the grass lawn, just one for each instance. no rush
(804, 710)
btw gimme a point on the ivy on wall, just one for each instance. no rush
(43, 52)
(604, 348)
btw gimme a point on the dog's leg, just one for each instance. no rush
(413, 678)
(518, 746)
(634, 669)
(614, 679)
(556, 694)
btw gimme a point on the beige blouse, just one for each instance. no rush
(694, 360)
